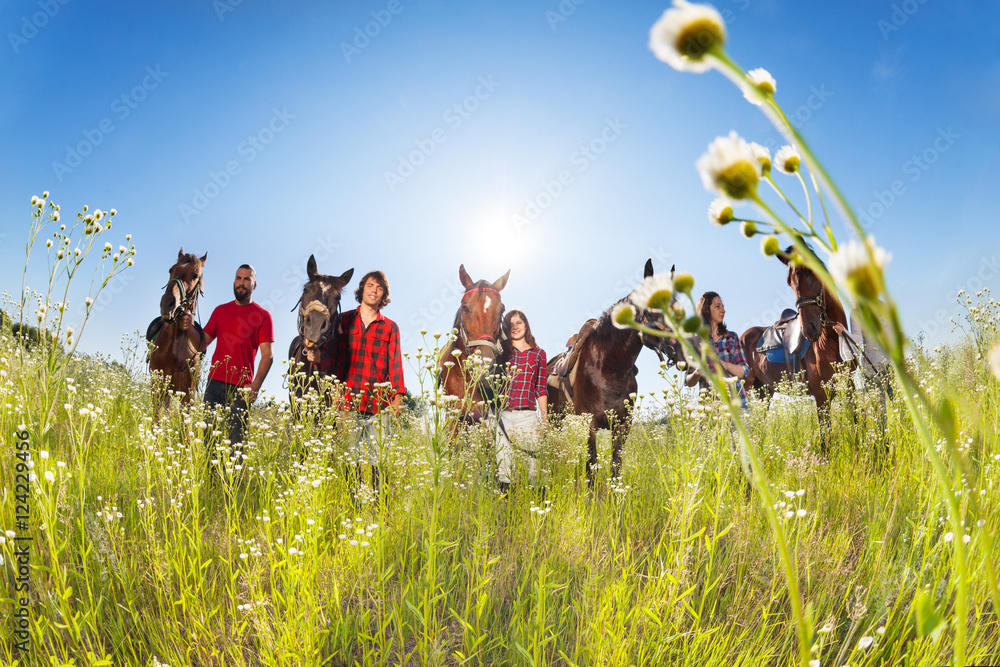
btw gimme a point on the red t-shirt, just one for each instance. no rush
(238, 332)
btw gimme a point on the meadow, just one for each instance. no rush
(144, 550)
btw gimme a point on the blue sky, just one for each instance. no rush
(262, 132)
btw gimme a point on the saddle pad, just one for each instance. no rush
(777, 355)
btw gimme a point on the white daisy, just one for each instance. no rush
(686, 34)
(865, 642)
(623, 316)
(720, 211)
(763, 156)
(762, 80)
(730, 168)
(850, 266)
(655, 293)
(787, 159)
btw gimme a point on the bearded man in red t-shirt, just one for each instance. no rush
(239, 328)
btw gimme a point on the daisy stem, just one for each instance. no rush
(826, 214)
(805, 190)
(708, 361)
(807, 221)
(737, 75)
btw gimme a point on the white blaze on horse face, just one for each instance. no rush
(486, 305)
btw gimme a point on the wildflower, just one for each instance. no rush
(48, 243)
(686, 34)
(800, 492)
(787, 159)
(55, 216)
(762, 80)
(44, 454)
(748, 228)
(851, 266)
(720, 212)
(683, 283)
(50, 476)
(801, 513)
(730, 168)
(789, 514)
(10, 534)
(966, 538)
(825, 629)
(949, 536)
(107, 247)
(770, 246)
(623, 316)
(763, 156)
(655, 292)
(865, 642)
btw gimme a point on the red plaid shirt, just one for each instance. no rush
(527, 378)
(369, 362)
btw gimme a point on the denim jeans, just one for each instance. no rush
(227, 396)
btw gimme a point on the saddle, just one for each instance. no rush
(562, 377)
(154, 329)
(783, 342)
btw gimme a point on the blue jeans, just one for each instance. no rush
(227, 396)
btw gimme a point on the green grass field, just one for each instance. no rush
(137, 558)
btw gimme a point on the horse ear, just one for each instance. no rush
(311, 267)
(463, 275)
(673, 270)
(501, 282)
(180, 254)
(347, 275)
(786, 255)
(203, 258)
(647, 270)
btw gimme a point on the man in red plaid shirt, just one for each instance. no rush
(369, 363)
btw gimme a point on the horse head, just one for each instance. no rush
(480, 316)
(183, 287)
(811, 297)
(319, 305)
(667, 348)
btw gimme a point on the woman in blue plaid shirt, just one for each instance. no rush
(726, 343)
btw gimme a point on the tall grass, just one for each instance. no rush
(144, 553)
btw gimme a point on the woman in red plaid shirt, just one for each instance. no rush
(526, 370)
(726, 343)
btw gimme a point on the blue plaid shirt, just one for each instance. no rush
(730, 350)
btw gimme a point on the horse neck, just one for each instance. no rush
(627, 342)
(834, 313)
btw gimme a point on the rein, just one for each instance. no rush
(186, 300)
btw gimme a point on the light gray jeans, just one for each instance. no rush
(371, 433)
(522, 426)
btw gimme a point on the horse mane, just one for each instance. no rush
(605, 328)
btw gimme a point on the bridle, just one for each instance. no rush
(317, 306)
(817, 300)
(186, 299)
(645, 319)
(484, 341)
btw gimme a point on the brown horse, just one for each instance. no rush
(819, 309)
(319, 317)
(604, 380)
(478, 323)
(174, 356)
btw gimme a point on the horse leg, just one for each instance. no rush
(591, 454)
(619, 433)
